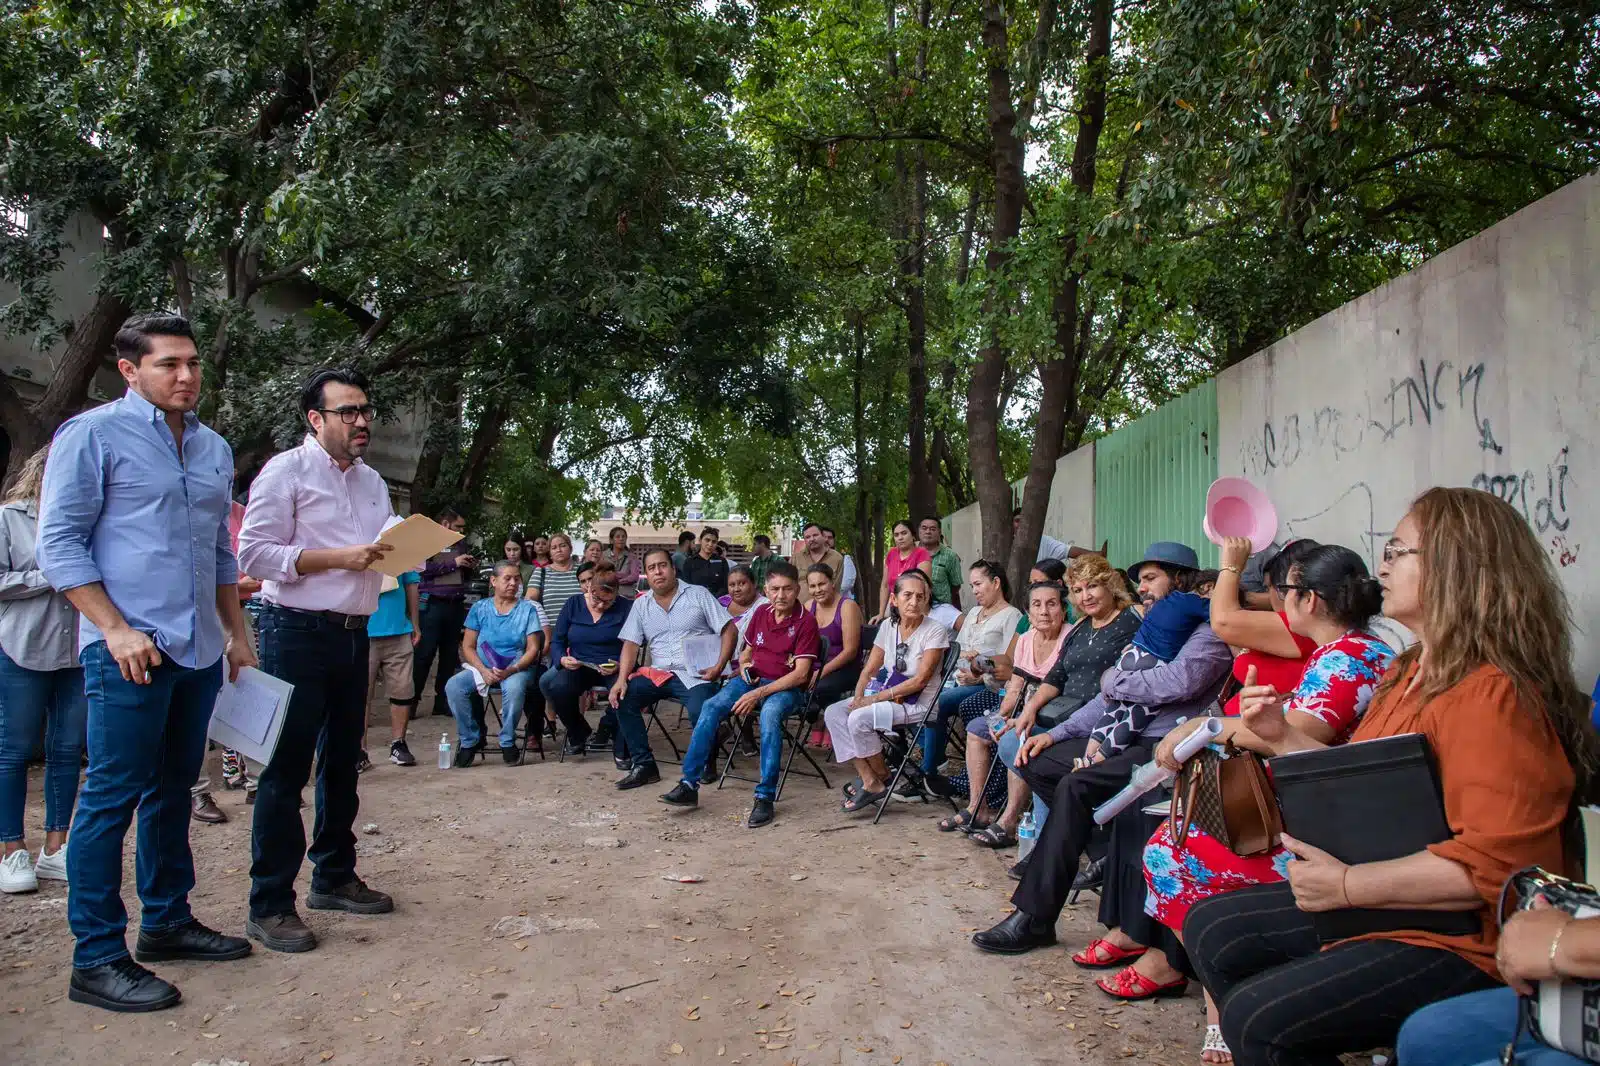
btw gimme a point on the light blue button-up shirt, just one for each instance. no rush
(122, 508)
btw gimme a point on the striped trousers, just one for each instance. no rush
(1285, 1002)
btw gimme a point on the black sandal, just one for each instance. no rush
(864, 799)
(996, 836)
(964, 821)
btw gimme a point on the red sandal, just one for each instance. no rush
(1130, 985)
(1104, 955)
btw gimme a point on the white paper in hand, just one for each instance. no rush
(248, 715)
(700, 653)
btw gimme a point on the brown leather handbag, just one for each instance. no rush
(1230, 798)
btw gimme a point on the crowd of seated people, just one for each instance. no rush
(1461, 636)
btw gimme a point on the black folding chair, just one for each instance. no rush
(601, 692)
(795, 728)
(952, 659)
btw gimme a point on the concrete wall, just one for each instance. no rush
(1478, 368)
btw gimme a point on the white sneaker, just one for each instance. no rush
(52, 867)
(16, 872)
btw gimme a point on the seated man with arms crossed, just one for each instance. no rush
(780, 648)
(672, 612)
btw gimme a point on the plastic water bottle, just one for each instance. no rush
(997, 724)
(1027, 836)
(444, 751)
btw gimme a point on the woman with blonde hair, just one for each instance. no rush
(1490, 685)
(41, 690)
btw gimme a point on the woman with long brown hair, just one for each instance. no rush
(41, 691)
(1490, 684)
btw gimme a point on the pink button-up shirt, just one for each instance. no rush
(301, 500)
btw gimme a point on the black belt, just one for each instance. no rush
(343, 621)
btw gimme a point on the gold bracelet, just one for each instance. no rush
(1231, 570)
(1344, 889)
(1555, 945)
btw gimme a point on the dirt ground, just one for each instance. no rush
(535, 920)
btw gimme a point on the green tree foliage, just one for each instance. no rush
(822, 259)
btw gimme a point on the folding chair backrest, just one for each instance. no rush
(869, 637)
(819, 662)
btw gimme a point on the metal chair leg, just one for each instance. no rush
(899, 772)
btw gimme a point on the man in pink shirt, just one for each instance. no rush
(309, 533)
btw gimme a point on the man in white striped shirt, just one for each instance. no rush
(673, 612)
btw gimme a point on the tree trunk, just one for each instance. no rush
(922, 494)
(444, 421)
(983, 392)
(1059, 375)
(485, 440)
(88, 347)
(863, 529)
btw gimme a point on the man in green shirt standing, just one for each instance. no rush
(761, 560)
(945, 562)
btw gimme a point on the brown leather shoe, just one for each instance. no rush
(205, 809)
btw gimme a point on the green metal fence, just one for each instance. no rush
(1151, 476)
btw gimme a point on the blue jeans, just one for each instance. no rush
(1471, 1030)
(936, 734)
(146, 743)
(641, 693)
(513, 693)
(717, 709)
(1009, 746)
(327, 720)
(31, 702)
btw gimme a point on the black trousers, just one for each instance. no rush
(1123, 894)
(837, 685)
(1286, 1002)
(326, 719)
(1074, 794)
(563, 688)
(440, 622)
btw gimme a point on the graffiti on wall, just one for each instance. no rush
(1438, 396)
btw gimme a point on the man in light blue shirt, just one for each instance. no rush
(673, 611)
(133, 528)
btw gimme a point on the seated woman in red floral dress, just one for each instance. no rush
(1329, 598)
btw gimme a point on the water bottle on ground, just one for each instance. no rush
(1027, 835)
(444, 751)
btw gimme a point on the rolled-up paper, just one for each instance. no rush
(1152, 775)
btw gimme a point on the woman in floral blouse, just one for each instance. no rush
(1329, 598)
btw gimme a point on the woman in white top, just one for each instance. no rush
(985, 634)
(897, 686)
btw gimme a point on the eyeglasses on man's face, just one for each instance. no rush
(348, 415)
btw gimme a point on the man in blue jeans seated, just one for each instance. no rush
(501, 639)
(673, 612)
(780, 648)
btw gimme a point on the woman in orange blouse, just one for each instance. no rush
(1490, 684)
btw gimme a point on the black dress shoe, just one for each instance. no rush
(571, 750)
(1091, 877)
(599, 742)
(511, 756)
(123, 986)
(761, 813)
(644, 774)
(682, 795)
(281, 932)
(193, 941)
(1019, 933)
(622, 762)
(353, 896)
